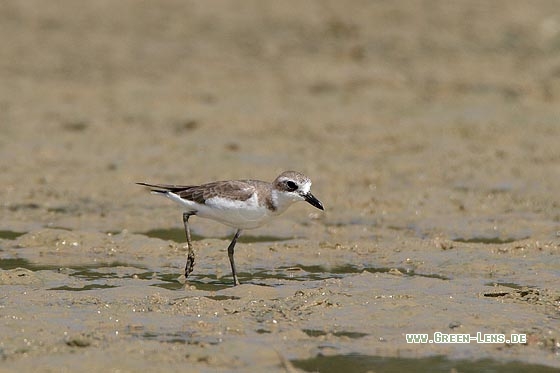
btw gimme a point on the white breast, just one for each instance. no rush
(246, 214)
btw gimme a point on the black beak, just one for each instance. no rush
(310, 198)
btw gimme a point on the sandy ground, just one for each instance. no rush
(430, 130)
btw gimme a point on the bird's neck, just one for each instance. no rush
(279, 202)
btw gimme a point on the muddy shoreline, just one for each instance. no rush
(429, 130)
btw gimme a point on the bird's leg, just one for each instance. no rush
(230, 254)
(190, 254)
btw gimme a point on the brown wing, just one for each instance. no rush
(237, 190)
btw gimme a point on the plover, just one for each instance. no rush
(241, 204)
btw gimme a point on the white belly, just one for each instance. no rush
(246, 214)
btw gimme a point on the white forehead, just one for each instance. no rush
(306, 187)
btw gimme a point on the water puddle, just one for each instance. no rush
(317, 272)
(180, 337)
(518, 291)
(173, 234)
(511, 285)
(10, 235)
(200, 282)
(368, 363)
(489, 240)
(83, 288)
(178, 235)
(13, 263)
(222, 297)
(85, 272)
(263, 277)
(321, 333)
(98, 274)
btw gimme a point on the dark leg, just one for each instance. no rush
(190, 254)
(230, 254)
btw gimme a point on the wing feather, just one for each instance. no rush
(236, 190)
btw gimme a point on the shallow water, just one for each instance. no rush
(363, 363)
(107, 274)
(178, 235)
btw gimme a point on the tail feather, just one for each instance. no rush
(164, 188)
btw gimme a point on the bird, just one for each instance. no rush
(240, 204)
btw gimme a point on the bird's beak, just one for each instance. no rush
(310, 198)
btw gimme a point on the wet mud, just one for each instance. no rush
(430, 131)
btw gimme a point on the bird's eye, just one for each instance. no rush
(291, 185)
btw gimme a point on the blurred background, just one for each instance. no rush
(420, 114)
